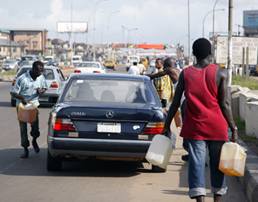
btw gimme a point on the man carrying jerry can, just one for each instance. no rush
(26, 90)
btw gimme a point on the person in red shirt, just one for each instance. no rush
(207, 118)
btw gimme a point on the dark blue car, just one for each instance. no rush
(104, 115)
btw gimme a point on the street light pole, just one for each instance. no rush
(94, 26)
(204, 19)
(230, 30)
(109, 18)
(189, 36)
(213, 20)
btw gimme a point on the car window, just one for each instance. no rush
(61, 75)
(111, 91)
(89, 64)
(49, 74)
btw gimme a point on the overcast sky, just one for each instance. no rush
(157, 21)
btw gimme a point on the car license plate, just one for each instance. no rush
(109, 128)
(43, 99)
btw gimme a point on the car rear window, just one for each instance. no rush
(109, 91)
(94, 65)
(49, 74)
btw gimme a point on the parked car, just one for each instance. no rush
(253, 70)
(104, 116)
(55, 82)
(89, 67)
(10, 65)
(110, 64)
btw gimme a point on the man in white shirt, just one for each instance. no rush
(141, 67)
(134, 69)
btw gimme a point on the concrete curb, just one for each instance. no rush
(250, 179)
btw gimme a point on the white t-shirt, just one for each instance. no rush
(141, 68)
(134, 70)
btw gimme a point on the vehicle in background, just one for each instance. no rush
(253, 70)
(89, 67)
(50, 61)
(131, 59)
(10, 65)
(29, 57)
(110, 116)
(76, 59)
(110, 64)
(55, 82)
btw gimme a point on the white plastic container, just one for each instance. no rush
(159, 151)
(27, 113)
(232, 159)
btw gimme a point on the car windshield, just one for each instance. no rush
(109, 91)
(89, 64)
(48, 73)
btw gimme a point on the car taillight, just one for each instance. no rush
(154, 128)
(14, 81)
(63, 125)
(96, 71)
(77, 71)
(54, 84)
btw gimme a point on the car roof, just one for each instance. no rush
(45, 67)
(109, 76)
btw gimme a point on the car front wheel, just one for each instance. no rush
(53, 163)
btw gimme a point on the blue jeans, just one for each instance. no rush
(196, 170)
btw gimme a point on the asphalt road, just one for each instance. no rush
(87, 181)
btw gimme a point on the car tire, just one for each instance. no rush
(157, 169)
(13, 102)
(53, 163)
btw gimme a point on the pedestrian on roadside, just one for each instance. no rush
(208, 115)
(134, 69)
(27, 89)
(163, 85)
(141, 67)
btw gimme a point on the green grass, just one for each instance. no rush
(240, 124)
(245, 82)
(8, 73)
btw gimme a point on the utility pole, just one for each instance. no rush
(189, 36)
(230, 28)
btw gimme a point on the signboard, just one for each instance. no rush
(250, 23)
(251, 19)
(79, 27)
(239, 43)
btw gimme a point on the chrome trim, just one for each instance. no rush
(97, 140)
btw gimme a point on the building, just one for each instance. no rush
(10, 49)
(35, 41)
(4, 34)
(250, 23)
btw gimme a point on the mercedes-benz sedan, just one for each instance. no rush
(110, 116)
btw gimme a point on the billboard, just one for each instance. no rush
(239, 43)
(251, 19)
(75, 27)
(250, 23)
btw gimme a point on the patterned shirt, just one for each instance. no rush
(27, 87)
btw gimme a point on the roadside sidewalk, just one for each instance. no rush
(250, 179)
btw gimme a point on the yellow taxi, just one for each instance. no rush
(110, 64)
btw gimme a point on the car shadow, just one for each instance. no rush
(5, 104)
(35, 165)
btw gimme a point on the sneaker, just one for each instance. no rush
(35, 146)
(25, 154)
(185, 157)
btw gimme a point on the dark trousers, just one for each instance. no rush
(24, 133)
